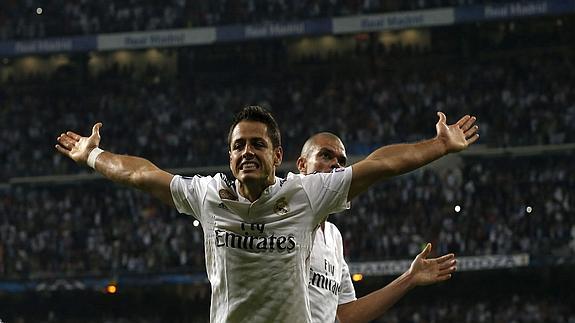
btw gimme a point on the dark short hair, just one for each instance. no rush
(257, 114)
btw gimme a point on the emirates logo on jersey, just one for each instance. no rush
(322, 281)
(281, 207)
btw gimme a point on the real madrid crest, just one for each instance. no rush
(227, 195)
(281, 207)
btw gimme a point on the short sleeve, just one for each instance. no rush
(188, 193)
(327, 192)
(347, 293)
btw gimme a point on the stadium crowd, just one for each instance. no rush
(20, 20)
(506, 205)
(95, 230)
(182, 123)
(103, 228)
(513, 308)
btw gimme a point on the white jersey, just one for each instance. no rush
(330, 282)
(257, 254)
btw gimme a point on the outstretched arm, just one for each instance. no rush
(398, 159)
(422, 272)
(128, 170)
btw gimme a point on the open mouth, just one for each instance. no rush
(246, 166)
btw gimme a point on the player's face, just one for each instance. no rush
(252, 156)
(326, 154)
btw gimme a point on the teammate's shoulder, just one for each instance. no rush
(318, 174)
(332, 230)
(291, 177)
(331, 226)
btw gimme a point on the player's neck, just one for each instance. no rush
(252, 190)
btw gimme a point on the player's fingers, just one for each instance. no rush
(65, 136)
(444, 258)
(426, 251)
(68, 137)
(462, 121)
(447, 265)
(442, 117)
(449, 270)
(473, 139)
(471, 131)
(66, 141)
(61, 138)
(96, 129)
(63, 150)
(470, 121)
(73, 135)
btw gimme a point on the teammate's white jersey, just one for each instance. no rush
(330, 282)
(257, 254)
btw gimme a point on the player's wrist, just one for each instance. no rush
(91, 161)
(408, 279)
(441, 145)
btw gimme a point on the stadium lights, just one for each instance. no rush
(111, 288)
(357, 277)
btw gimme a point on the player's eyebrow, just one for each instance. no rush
(341, 159)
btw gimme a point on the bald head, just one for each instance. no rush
(312, 141)
(322, 152)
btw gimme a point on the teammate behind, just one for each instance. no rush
(331, 289)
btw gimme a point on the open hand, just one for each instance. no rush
(77, 147)
(458, 136)
(429, 271)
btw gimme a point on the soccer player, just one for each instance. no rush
(330, 287)
(258, 229)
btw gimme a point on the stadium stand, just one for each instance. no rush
(45, 233)
(77, 228)
(511, 96)
(20, 20)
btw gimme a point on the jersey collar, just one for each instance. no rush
(266, 194)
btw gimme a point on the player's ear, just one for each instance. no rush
(278, 156)
(301, 164)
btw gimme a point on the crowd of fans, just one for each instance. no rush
(183, 123)
(92, 230)
(21, 19)
(97, 227)
(506, 205)
(514, 308)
